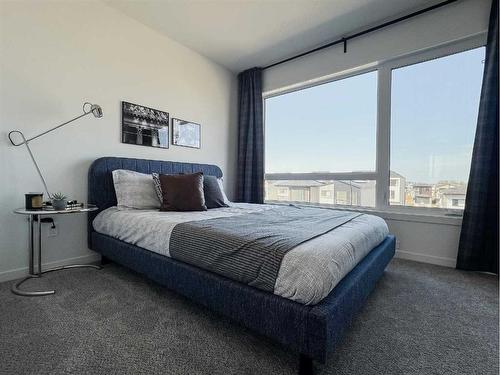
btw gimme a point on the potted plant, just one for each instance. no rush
(59, 201)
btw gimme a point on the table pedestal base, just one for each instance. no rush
(15, 288)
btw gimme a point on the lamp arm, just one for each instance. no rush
(26, 143)
(43, 133)
(94, 109)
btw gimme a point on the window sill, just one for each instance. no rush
(396, 215)
(416, 217)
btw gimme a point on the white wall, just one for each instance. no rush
(426, 239)
(428, 242)
(55, 56)
(451, 22)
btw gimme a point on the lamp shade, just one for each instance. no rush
(96, 110)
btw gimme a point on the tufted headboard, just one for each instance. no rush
(101, 191)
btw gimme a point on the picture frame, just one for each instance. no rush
(145, 126)
(186, 133)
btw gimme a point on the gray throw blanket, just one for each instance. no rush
(249, 248)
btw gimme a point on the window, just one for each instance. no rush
(398, 136)
(341, 197)
(316, 133)
(322, 129)
(299, 194)
(433, 121)
(283, 191)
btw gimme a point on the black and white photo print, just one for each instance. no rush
(186, 133)
(144, 126)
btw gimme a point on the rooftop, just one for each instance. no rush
(461, 190)
(311, 183)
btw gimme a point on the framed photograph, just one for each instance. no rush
(186, 133)
(144, 126)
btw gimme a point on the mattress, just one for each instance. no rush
(307, 273)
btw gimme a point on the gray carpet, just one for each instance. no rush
(421, 319)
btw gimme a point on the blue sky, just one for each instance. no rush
(332, 127)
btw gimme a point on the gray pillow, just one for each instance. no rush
(227, 202)
(214, 198)
(135, 190)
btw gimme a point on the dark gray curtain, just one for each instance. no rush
(250, 184)
(478, 248)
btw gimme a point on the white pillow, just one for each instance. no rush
(221, 185)
(135, 190)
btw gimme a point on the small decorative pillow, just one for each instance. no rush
(183, 192)
(134, 190)
(213, 193)
(157, 184)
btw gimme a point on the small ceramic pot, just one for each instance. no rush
(59, 204)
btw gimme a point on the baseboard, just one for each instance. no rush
(22, 272)
(425, 258)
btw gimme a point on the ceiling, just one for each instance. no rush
(240, 34)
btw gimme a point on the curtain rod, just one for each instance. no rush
(367, 31)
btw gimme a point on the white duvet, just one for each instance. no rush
(308, 272)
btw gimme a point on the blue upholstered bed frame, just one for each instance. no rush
(312, 331)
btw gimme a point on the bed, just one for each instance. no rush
(310, 324)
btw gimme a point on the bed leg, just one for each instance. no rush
(305, 365)
(105, 260)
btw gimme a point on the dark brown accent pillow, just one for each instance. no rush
(183, 192)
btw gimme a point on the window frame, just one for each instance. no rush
(381, 175)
